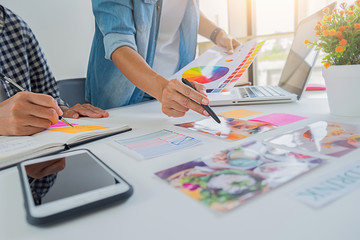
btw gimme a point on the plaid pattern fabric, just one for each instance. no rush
(40, 187)
(22, 59)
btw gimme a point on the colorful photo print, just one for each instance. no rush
(231, 177)
(229, 128)
(325, 137)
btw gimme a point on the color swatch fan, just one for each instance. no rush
(219, 71)
(204, 74)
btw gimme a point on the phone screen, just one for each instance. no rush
(67, 176)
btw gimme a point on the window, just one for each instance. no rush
(273, 21)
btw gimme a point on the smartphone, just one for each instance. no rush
(68, 184)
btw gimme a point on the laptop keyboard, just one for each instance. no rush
(259, 91)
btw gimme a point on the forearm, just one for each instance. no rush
(134, 67)
(206, 27)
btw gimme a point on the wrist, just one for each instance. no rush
(215, 34)
(162, 83)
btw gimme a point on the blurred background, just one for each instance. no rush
(65, 30)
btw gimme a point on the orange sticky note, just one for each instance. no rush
(77, 129)
(238, 113)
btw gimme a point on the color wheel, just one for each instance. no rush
(205, 74)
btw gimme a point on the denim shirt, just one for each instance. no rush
(132, 23)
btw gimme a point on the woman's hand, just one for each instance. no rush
(177, 98)
(226, 41)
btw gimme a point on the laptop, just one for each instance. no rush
(294, 77)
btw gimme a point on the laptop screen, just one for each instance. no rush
(301, 59)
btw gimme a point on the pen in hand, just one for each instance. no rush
(206, 107)
(18, 87)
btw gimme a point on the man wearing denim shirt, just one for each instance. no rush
(131, 39)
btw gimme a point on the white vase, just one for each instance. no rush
(343, 89)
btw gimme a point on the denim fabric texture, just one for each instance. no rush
(132, 23)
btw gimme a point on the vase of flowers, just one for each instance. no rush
(338, 36)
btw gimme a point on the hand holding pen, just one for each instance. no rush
(206, 107)
(27, 113)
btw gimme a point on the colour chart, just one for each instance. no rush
(219, 71)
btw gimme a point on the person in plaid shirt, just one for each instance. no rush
(22, 60)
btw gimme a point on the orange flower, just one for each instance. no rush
(339, 49)
(347, 27)
(326, 33)
(319, 44)
(332, 32)
(339, 34)
(323, 27)
(343, 42)
(327, 64)
(342, 28)
(317, 27)
(306, 41)
(350, 13)
(343, 5)
(357, 25)
(317, 33)
(325, 10)
(341, 12)
(329, 18)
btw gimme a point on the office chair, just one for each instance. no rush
(72, 91)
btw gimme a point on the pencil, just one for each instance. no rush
(18, 87)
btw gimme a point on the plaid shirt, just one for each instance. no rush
(41, 186)
(22, 59)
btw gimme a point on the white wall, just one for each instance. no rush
(64, 29)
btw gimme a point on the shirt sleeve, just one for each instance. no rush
(115, 21)
(42, 79)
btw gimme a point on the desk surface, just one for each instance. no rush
(158, 211)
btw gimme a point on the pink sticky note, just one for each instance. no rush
(279, 119)
(60, 124)
(315, 87)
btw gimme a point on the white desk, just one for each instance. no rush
(158, 211)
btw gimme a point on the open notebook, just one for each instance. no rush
(14, 149)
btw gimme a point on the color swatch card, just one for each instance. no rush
(219, 71)
(279, 119)
(156, 144)
(325, 137)
(229, 128)
(233, 176)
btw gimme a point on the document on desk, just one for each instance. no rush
(57, 138)
(327, 189)
(231, 177)
(155, 144)
(217, 70)
(324, 137)
(229, 128)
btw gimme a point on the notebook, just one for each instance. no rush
(14, 149)
(294, 77)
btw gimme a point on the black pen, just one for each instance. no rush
(18, 87)
(206, 107)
